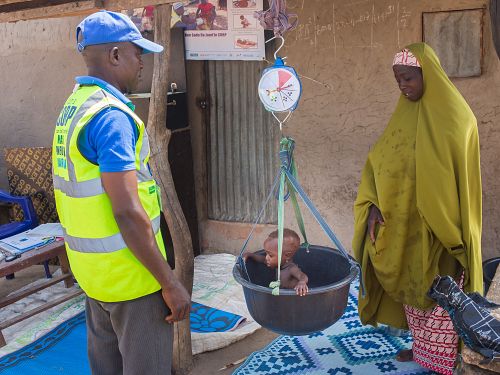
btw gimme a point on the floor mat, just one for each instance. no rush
(205, 319)
(64, 349)
(213, 286)
(61, 351)
(27, 331)
(346, 348)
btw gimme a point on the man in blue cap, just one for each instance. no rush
(108, 204)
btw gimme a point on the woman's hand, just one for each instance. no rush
(374, 218)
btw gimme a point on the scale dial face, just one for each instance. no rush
(279, 90)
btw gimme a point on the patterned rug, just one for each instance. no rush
(205, 319)
(44, 356)
(346, 348)
(61, 351)
(213, 285)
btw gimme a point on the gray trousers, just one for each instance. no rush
(129, 338)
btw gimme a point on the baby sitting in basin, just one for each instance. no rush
(291, 277)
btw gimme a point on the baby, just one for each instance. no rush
(291, 277)
(244, 21)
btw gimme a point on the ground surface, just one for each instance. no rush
(204, 364)
(207, 363)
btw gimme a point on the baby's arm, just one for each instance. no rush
(301, 287)
(259, 258)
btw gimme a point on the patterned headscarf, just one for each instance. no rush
(177, 5)
(405, 57)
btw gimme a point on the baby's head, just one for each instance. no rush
(242, 17)
(291, 243)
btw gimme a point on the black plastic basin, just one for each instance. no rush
(489, 270)
(330, 275)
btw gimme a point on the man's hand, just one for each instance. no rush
(301, 288)
(374, 218)
(177, 299)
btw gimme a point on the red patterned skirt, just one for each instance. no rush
(435, 342)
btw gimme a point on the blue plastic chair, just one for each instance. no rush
(15, 227)
(30, 221)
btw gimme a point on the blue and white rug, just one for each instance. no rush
(64, 349)
(346, 348)
(213, 285)
(205, 319)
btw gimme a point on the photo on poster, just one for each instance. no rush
(200, 15)
(247, 41)
(142, 18)
(244, 3)
(244, 21)
(222, 4)
(219, 30)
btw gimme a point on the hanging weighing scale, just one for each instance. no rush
(279, 87)
(330, 270)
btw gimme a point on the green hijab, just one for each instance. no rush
(424, 175)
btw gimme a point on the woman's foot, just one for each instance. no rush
(405, 356)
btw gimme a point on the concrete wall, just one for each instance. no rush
(38, 62)
(344, 50)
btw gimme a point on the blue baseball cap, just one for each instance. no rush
(111, 27)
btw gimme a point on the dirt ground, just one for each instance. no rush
(211, 362)
(208, 363)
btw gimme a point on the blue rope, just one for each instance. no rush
(286, 158)
(240, 260)
(326, 228)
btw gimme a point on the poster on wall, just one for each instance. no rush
(220, 29)
(142, 18)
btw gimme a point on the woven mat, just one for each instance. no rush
(346, 348)
(29, 173)
(213, 286)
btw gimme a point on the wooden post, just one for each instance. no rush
(159, 139)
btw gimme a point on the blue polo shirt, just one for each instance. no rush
(109, 139)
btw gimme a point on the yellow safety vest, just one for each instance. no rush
(101, 262)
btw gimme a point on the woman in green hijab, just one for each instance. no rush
(418, 210)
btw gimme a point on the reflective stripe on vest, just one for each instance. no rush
(82, 189)
(103, 245)
(88, 188)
